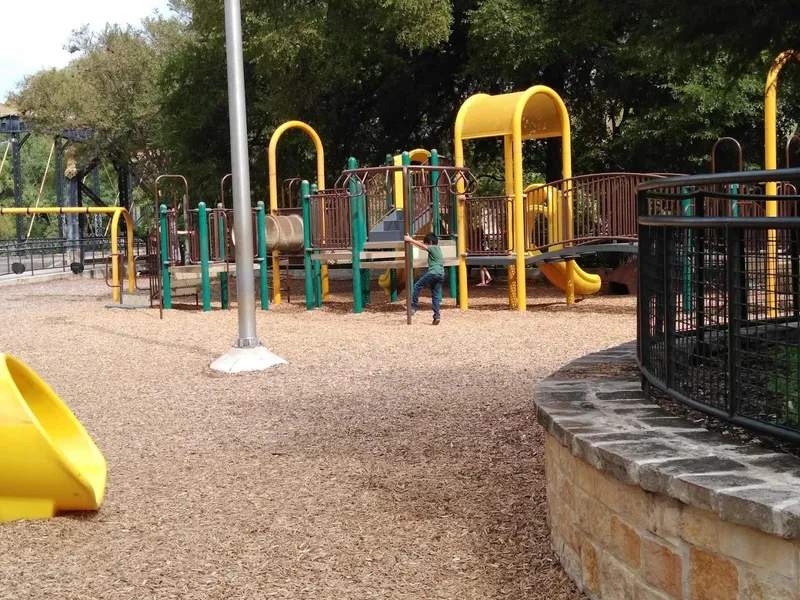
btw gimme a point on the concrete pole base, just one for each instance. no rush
(241, 360)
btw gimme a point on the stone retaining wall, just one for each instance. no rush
(647, 506)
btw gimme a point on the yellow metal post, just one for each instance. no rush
(273, 196)
(511, 271)
(458, 158)
(771, 163)
(519, 216)
(116, 212)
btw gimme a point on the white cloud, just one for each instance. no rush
(36, 31)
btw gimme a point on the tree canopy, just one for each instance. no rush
(650, 85)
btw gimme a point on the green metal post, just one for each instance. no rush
(408, 205)
(166, 289)
(317, 266)
(261, 236)
(362, 240)
(202, 235)
(355, 228)
(307, 267)
(735, 203)
(686, 209)
(223, 277)
(389, 183)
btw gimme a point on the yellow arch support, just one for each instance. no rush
(771, 163)
(273, 194)
(116, 212)
(537, 113)
(48, 463)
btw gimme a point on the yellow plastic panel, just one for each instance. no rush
(540, 118)
(492, 116)
(48, 463)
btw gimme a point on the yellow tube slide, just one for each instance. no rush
(385, 281)
(48, 463)
(545, 200)
(585, 283)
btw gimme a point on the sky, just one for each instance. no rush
(36, 31)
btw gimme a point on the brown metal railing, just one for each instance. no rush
(487, 220)
(329, 213)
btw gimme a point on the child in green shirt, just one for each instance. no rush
(434, 278)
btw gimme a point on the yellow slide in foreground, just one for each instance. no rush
(48, 463)
(585, 283)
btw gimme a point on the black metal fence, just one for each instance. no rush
(34, 257)
(719, 297)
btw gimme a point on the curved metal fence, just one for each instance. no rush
(719, 296)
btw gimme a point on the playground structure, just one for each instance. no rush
(50, 464)
(362, 220)
(81, 239)
(116, 257)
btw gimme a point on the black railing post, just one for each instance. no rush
(794, 251)
(643, 304)
(699, 247)
(734, 249)
(670, 307)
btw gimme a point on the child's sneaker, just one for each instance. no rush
(435, 322)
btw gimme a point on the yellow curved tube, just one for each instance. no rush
(546, 200)
(272, 154)
(48, 463)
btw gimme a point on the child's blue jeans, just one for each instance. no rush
(433, 281)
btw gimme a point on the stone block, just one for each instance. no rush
(663, 567)
(592, 517)
(642, 591)
(700, 527)
(625, 543)
(757, 507)
(665, 518)
(657, 477)
(567, 463)
(702, 490)
(569, 530)
(757, 548)
(585, 475)
(606, 490)
(590, 561)
(616, 581)
(759, 586)
(571, 561)
(634, 502)
(567, 494)
(711, 576)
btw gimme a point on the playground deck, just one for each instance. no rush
(352, 472)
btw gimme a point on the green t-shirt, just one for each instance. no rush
(435, 260)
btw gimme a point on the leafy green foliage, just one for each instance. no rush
(650, 85)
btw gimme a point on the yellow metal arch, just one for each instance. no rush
(116, 212)
(273, 194)
(536, 113)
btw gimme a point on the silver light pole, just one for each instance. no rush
(247, 353)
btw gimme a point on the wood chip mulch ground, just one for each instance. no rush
(383, 461)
